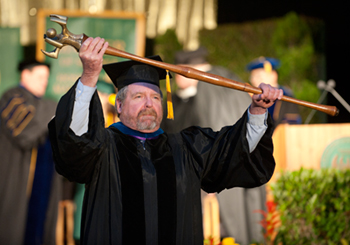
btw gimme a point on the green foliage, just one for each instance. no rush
(295, 40)
(166, 46)
(314, 206)
(293, 44)
(235, 45)
(290, 39)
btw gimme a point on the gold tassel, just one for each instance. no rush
(169, 100)
(267, 66)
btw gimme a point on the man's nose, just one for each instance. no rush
(149, 102)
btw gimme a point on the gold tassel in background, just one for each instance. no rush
(169, 101)
(267, 66)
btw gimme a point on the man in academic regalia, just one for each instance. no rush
(264, 70)
(142, 185)
(203, 104)
(29, 184)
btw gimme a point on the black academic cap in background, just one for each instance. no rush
(30, 63)
(198, 56)
(127, 72)
(267, 63)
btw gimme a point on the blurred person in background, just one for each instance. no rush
(222, 105)
(29, 185)
(264, 70)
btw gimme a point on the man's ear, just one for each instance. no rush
(24, 76)
(118, 105)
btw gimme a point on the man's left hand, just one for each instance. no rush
(260, 102)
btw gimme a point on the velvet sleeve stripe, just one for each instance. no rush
(166, 186)
(133, 214)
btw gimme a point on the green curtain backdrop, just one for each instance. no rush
(11, 54)
(120, 33)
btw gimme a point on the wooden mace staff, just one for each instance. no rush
(67, 38)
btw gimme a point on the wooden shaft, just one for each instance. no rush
(215, 79)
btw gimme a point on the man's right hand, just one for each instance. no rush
(91, 55)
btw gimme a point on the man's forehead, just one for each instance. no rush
(258, 71)
(141, 86)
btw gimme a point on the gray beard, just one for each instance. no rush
(145, 125)
(142, 125)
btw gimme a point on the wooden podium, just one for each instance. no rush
(297, 146)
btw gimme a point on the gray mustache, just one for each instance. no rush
(150, 112)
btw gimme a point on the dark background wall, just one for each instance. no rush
(337, 32)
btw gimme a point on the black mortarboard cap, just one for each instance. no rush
(127, 72)
(195, 57)
(30, 63)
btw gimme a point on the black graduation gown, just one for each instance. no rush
(150, 194)
(23, 124)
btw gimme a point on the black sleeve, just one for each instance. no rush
(77, 157)
(24, 118)
(222, 158)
